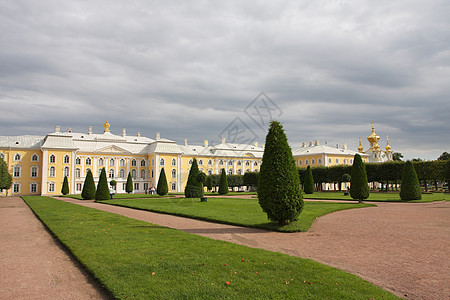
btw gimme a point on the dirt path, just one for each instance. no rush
(32, 265)
(402, 247)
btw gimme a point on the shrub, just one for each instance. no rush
(279, 192)
(102, 187)
(5, 177)
(359, 188)
(223, 183)
(113, 183)
(308, 184)
(88, 191)
(65, 186)
(251, 179)
(194, 188)
(129, 184)
(209, 183)
(162, 187)
(410, 188)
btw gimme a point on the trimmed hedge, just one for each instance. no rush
(88, 191)
(162, 188)
(102, 192)
(410, 189)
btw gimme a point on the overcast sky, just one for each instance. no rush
(192, 68)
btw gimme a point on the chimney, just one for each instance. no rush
(263, 145)
(223, 140)
(158, 136)
(303, 144)
(138, 134)
(90, 130)
(205, 143)
(316, 143)
(310, 144)
(255, 144)
(344, 146)
(185, 141)
(69, 130)
(58, 129)
(124, 132)
(337, 146)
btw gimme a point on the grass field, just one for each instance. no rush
(121, 196)
(378, 197)
(244, 212)
(138, 260)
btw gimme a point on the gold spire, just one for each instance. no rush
(106, 125)
(360, 148)
(373, 138)
(388, 147)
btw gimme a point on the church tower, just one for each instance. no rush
(376, 154)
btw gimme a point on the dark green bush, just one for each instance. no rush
(194, 188)
(410, 188)
(223, 183)
(102, 192)
(65, 186)
(308, 184)
(129, 184)
(88, 191)
(162, 188)
(359, 188)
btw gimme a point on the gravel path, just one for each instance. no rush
(32, 264)
(402, 247)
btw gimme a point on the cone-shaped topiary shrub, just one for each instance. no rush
(223, 183)
(359, 188)
(308, 183)
(410, 188)
(88, 191)
(209, 183)
(65, 186)
(279, 192)
(194, 188)
(162, 187)
(129, 184)
(102, 187)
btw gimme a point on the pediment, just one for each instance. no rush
(113, 149)
(249, 155)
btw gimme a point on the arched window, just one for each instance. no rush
(256, 170)
(51, 186)
(133, 174)
(351, 161)
(337, 160)
(209, 162)
(78, 161)
(161, 162)
(122, 162)
(239, 163)
(247, 163)
(77, 173)
(174, 162)
(111, 173)
(52, 159)
(17, 157)
(306, 162)
(319, 161)
(209, 172)
(239, 172)
(330, 161)
(66, 171)
(100, 172)
(220, 162)
(111, 162)
(2, 156)
(34, 172)
(16, 171)
(52, 172)
(200, 162)
(34, 157)
(313, 161)
(255, 163)
(345, 161)
(88, 161)
(190, 162)
(230, 163)
(122, 173)
(66, 159)
(230, 172)
(300, 162)
(248, 170)
(174, 186)
(142, 162)
(143, 174)
(133, 163)
(174, 173)
(100, 162)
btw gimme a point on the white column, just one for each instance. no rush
(73, 168)
(44, 171)
(179, 174)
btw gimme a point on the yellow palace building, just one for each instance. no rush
(38, 164)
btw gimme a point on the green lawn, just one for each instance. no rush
(138, 260)
(377, 196)
(121, 196)
(244, 212)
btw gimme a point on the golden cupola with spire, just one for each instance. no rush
(375, 152)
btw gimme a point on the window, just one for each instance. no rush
(247, 163)
(79, 186)
(146, 186)
(239, 163)
(78, 161)
(351, 161)
(88, 161)
(300, 162)
(209, 172)
(345, 161)
(239, 172)
(51, 187)
(174, 186)
(136, 186)
(34, 157)
(256, 170)
(161, 162)
(230, 163)
(51, 172)
(133, 174)
(153, 161)
(33, 187)
(319, 161)
(122, 173)
(306, 162)
(337, 160)
(133, 163)
(143, 163)
(34, 172)
(100, 162)
(255, 164)
(77, 173)
(248, 170)
(230, 172)
(52, 159)
(2, 156)
(16, 187)
(111, 173)
(17, 157)
(111, 162)
(174, 162)
(313, 161)
(200, 162)
(66, 159)
(143, 174)
(190, 161)
(174, 173)
(16, 171)
(152, 174)
(220, 162)
(210, 162)
(330, 161)
(66, 171)
(122, 162)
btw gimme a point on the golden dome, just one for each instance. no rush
(373, 138)
(360, 148)
(388, 147)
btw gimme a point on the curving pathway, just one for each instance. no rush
(402, 247)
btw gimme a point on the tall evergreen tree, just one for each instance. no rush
(65, 186)
(129, 184)
(5, 177)
(162, 188)
(279, 192)
(209, 183)
(410, 188)
(308, 184)
(194, 188)
(102, 187)
(88, 192)
(359, 188)
(223, 183)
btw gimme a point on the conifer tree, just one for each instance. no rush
(279, 192)
(129, 184)
(88, 192)
(5, 177)
(223, 183)
(359, 188)
(194, 188)
(209, 183)
(162, 188)
(308, 183)
(102, 192)
(65, 186)
(410, 188)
